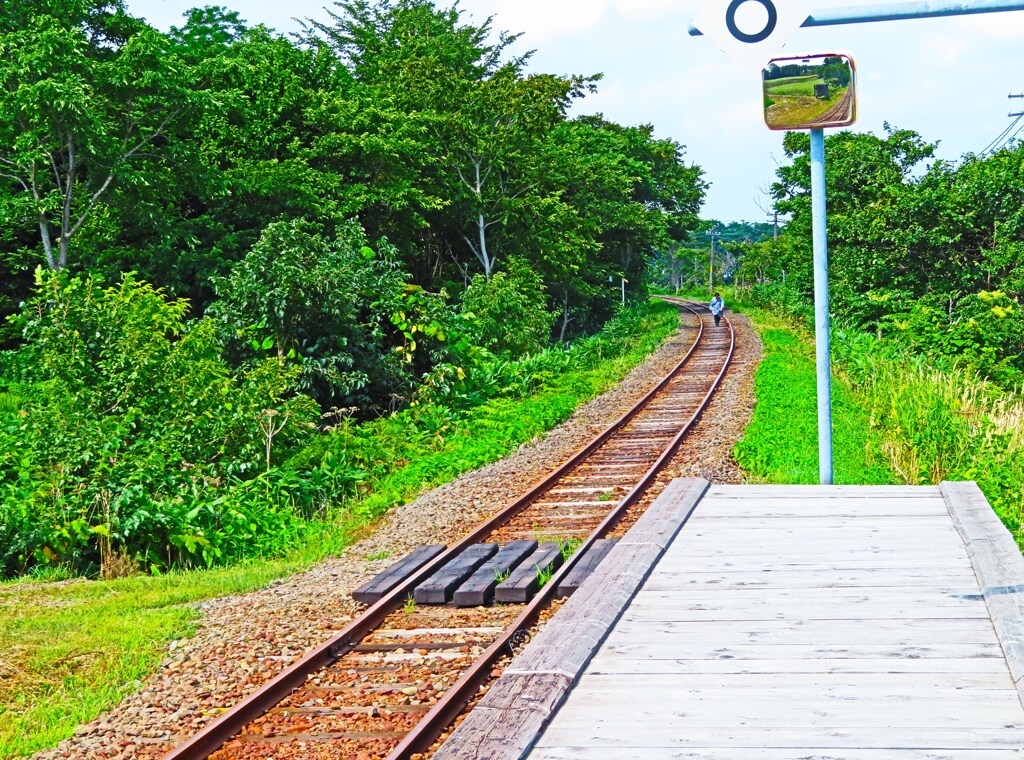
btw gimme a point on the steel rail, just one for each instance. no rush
(459, 695)
(202, 744)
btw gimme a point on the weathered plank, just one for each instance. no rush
(478, 589)
(649, 700)
(722, 492)
(779, 664)
(770, 753)
(508, 727)
(998, 564)
(439, 587)
(585, 566)
(734, 653)
(965, 591)
(647, 708)
(488, 734)
(671, 637)
(524, 581)
(809, 577)
(833, 685)
(378, 587)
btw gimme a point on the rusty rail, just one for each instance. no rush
(230, 723)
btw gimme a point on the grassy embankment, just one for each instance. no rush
(781, 443)
(897, 419)
(70, 650)
(792, 100)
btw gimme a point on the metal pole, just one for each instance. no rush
(821, 334)
(623, 291)
(860, 14)
(711, 266)
(712, 233)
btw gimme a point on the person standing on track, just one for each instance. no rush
(717, 307)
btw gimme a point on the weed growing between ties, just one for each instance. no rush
(544, 574)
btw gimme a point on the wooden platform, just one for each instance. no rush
(781, 622)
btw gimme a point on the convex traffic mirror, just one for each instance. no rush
(806, 92)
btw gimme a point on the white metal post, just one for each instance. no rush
(821, 334)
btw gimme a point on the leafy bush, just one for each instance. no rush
(123, 432)
(336, 306)
(494, 407)
(130, 432)
(981, 337)
(510, 311)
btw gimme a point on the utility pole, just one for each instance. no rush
(713, 233)
(1019, 95)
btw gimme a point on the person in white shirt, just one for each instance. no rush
(717, 307)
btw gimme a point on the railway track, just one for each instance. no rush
(397, 677)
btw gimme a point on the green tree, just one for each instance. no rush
(87, 97)
(510, 310)
(343, 311)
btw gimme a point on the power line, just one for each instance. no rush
(1004, 137)
(1019, 130)
(997, 143)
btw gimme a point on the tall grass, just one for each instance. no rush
(941, 423)
(897, 417)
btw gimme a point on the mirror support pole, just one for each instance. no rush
(821, 320)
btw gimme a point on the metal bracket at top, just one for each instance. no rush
(862, 14)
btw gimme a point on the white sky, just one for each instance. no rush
(947, 79)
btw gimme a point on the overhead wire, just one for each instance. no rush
(1014, 135)
(999, 141)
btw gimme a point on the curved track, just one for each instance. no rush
(396, 677)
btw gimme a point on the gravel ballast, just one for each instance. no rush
(243, 641)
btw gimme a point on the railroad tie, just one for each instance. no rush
(439, 587)
(478, 589)
(378, 587)
(525, 580)
(585, 566)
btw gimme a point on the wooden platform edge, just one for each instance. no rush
(513, 714)
(997, 563)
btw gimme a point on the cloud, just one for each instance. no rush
(998, 26)
(945, 48)
(544, 20)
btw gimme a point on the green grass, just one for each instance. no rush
(896, 419)
(804, 87)
(942, 423)
(70, 650)
(781, 443)
(792, 80)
